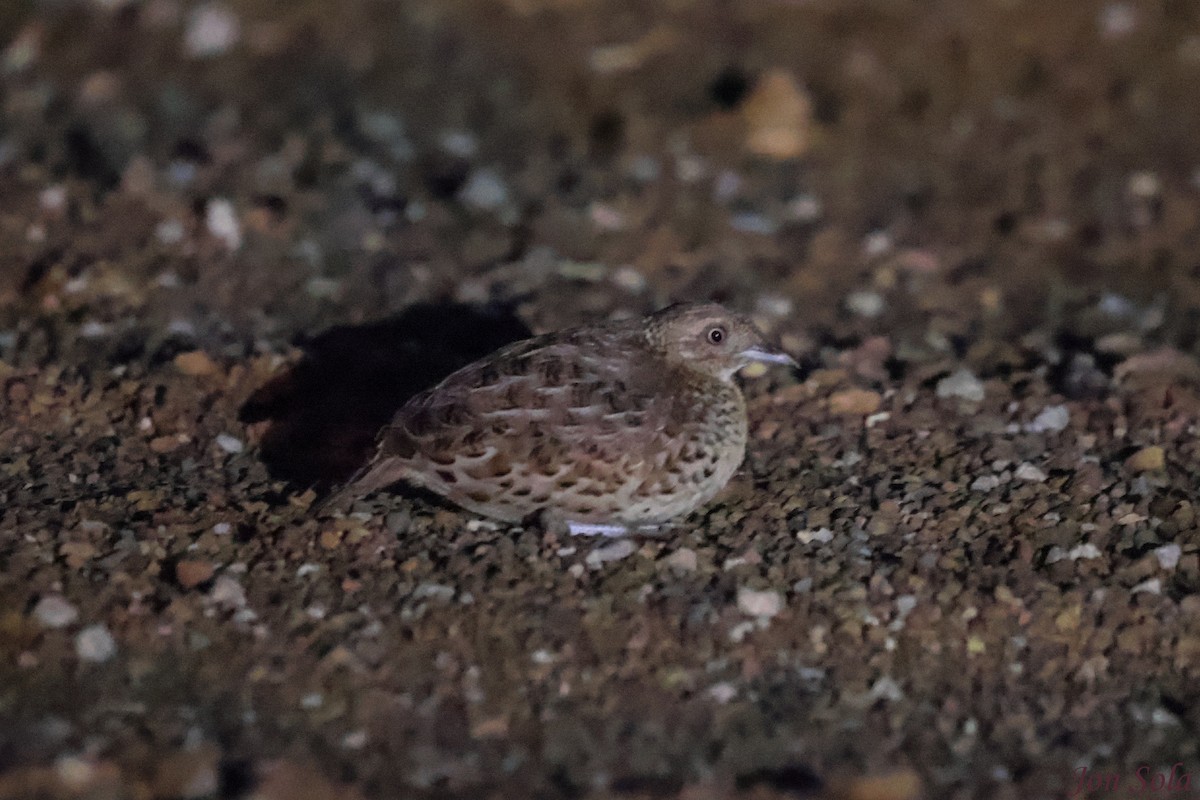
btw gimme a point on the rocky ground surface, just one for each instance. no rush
(962, 558)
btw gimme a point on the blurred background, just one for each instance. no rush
(242, 171)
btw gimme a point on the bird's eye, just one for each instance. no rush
(716, 335)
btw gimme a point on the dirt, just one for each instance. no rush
(962, 558)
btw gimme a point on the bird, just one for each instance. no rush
(609, 428)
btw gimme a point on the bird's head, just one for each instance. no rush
(710, 339)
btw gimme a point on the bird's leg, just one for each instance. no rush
(596, 529)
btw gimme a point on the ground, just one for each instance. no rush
(962, 558)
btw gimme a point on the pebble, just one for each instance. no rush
(684, 559)
(761, 604)
(53, 611)
(855, 402)
(230, 444)
(1152, 586)
(1148, 459)
(1028, 472)
(1085, 551)
(1168, 555)
(485, 190)
(227, 592)
(95, 644)
(212, 29)
(222, 222)
(622, 548)
(865, 303)
(1051, 419)
(778, 117)
(985, 483)
(192, 572)
(195, 362)
(753, 222)
(722, 692)
(822, 535)
(962, 384)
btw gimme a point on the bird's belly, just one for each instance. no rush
(655, 487)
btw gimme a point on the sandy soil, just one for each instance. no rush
(962, 558)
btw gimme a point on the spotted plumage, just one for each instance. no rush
(607, 427)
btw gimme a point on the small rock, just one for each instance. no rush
(985, 483)
(485, 190)
(191, 573)
(222, 222)
(778, 117)
(1152, 586)
(822, 535)
(855, 402)
(227, 592)
(962, 384)
(722, 692)
(761, 604)
(165, 444)
(865, 303)
(230, 444)
(1051, 419)
(195, 362)
(684, 559)
(1148, 459)
(95, 644)
(622, 548)
(1168, 555)
(1028, 472)
(211, 30)
(53, 611)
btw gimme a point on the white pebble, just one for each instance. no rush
(53, 198)
(1118, 20)
(628, 278)
(822, 535)
(1152, 586)
(485, 190)
(53, 611)
(227, 592)
(877, 243)
(1168, 555)
(222, 222)
(805, 208)
(230, 444)
(886, 688)
(684, 559)
(94, 643)
(222, 529)
(985, 483)
(1052, 419)
(962, 384)
(1028, 472)
(865, 303)
(761, 604)
(211, 30)
(722, 692)
(622, 548)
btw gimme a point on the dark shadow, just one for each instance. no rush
(325, 412)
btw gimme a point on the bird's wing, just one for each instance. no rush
(575, 397)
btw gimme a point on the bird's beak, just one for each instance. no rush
(765, 356)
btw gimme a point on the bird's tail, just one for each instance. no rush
(370, 478)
